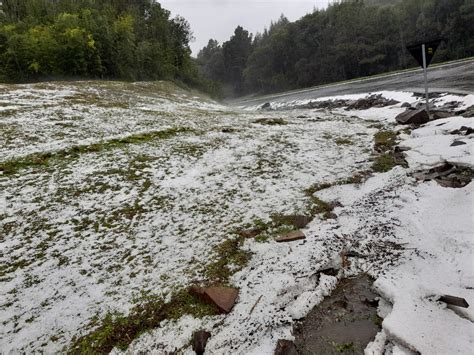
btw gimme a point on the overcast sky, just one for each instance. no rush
(218, 19)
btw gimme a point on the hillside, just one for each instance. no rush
(117, 197)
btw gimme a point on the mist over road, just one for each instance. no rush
(453, 77)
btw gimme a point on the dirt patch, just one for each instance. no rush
(344, 323)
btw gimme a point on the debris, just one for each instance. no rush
(200, 339)
(222, 297)
(456, 143)
(302, 116)
(290, 237)
(371, 101)
(413, 116)
(285, 347)
(406, 105)
(266, 106)
(255, 305)
(454, 301)
(447, 175)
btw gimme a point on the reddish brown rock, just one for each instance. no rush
(290, 237)
(222, 297)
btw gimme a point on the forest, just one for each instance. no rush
(349, 39)
(138, 40)
(109, 39)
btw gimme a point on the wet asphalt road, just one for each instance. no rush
(453, 78)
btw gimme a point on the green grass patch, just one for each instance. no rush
(230, 258)
(39, 160)
(385, 140)
(384, 163)
(117, 330)
(343, 141)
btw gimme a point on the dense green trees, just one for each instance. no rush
(349, 39)
(126, 39)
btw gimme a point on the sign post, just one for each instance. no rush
(424, 53)
(425, 72)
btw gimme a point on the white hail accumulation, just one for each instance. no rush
(89, 234)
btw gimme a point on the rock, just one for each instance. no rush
(200, 339)
(371, 101)
(290, 237)
(227, 130)
(447, 175)
(406, 105)
(469, 112)
(438, 114)
(222, 297)
(285, 347)
(250, 233)
(465, 131)
(271, 121)
(266, 106)
(413, 117)
(454, 301)
(456, 143)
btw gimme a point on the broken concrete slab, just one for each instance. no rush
(290, 237)
(412, 116)
(222, 297)
(200, 339)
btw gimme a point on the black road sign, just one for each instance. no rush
(417, 52)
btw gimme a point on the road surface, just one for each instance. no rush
(457, 77)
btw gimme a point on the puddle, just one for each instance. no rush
(344, 323)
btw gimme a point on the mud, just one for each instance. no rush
(344, 323)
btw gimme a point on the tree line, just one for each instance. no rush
(112, 39)
(347, 40)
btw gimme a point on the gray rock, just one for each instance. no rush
(456, 143)
(200, 339)
(411, 116)
(438, 114)
(285, 347)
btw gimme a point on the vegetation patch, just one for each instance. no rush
(343, 141)
(42, 159)
(230, 258)
(117, 330)
(384, 141)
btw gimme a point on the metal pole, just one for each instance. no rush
(425, 71)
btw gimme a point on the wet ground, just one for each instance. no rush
(454, 78)
(344, 323)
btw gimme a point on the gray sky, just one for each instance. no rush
(218, 18)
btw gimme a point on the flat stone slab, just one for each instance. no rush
(222, 297)
(290, 237)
